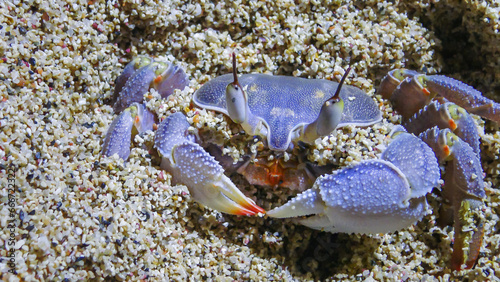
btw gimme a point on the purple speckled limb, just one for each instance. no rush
(164, 77)
(464, 189)
(118, 137)
(464, 95)
(127, 72)
(463, 169)
(135, 88)
(173, 77)
(391, 81)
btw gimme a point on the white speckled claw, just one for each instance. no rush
(121, 130)
(192, 166)
(373, 196)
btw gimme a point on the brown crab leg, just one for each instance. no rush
(463, 188)
(447, 115)
(392, 80)
(464, 96)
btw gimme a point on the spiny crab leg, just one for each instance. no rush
(192, 166)
(463, 95)
(128, 71)
(162, 76)
(392, 80)
(414, 90)
(447, 115)
(373, 196)
(464, 189)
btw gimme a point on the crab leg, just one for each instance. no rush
(392, 80)
(135, 119)
(373, 196)
(464, 189)
(164, 77)
(447, 115)
(192, 166)
(127, 72)
(464, 95)
(409, 91)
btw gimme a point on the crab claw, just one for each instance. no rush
(373, 196)
(192, 166)
(121, 130)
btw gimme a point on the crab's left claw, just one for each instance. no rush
(373, 196)
(192, 166)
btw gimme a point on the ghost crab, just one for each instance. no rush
(342, 201)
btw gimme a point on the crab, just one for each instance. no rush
(373, 196)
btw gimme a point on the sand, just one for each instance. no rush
(70, 214)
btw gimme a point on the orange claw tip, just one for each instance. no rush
(248, 209)
(254, 208)
(158, 79)
(452, 124)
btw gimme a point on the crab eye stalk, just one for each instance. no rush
(329, 116)
(236, 99)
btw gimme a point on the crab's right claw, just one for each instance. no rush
(371, 197)
(375, 196)
(192, 166)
